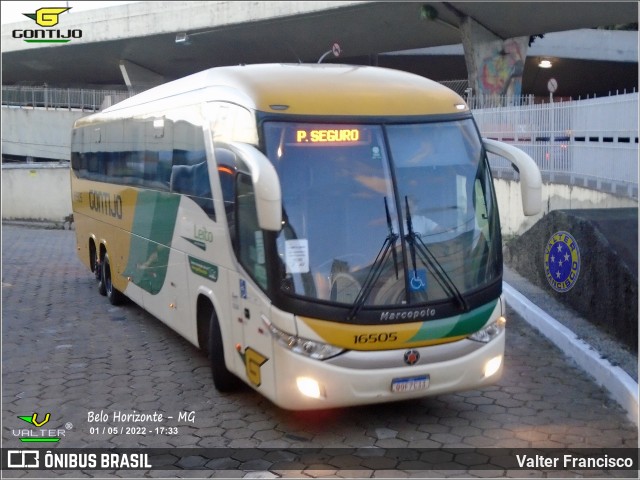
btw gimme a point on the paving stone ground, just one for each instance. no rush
(67, 351)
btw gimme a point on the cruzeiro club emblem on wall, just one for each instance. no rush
(562, 261)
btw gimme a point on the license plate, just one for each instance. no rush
(410, 384)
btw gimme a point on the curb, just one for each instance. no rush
(619, 384)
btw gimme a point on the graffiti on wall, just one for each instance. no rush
(501, 71)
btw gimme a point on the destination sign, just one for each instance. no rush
(328, 135)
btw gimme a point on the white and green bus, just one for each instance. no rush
(327, 234)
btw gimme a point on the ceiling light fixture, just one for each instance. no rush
(427, 12)
(183, 39)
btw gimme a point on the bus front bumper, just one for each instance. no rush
(307, 384)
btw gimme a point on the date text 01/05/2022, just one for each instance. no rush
(136, 430)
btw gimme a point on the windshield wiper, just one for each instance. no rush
(375, 271)
(428, 258)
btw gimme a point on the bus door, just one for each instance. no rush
(250, 303)
(255, 348)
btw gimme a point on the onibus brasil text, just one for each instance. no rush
(106, 460)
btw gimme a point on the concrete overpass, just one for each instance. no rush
(136, 42)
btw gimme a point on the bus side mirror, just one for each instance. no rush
(530, 178)
(266, 186)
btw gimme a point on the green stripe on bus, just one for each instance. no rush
(153, 225)
(464, 324)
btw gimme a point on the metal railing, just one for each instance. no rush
(591, 143)
(90, 100)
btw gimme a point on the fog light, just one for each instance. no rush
(309, 387)
(492, 366)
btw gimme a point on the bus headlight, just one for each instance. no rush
(302, 346)
(491, 331)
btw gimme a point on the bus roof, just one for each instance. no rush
(313, 89)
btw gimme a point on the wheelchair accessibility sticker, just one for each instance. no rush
(418, 280)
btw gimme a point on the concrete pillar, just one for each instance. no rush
(494, 65)
(139, 78)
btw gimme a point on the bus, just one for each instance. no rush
(327, 234)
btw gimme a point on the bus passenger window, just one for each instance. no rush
(193, 180)
(190, 169)
(164, 168)
(227, 163)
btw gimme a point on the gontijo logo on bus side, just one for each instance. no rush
(47, 17)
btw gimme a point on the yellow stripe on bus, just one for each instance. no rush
(373, 337)
(404, 335)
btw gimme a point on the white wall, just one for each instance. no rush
(36, 192)
(38, 132)
(554, 197)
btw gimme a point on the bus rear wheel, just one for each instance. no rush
(114, 296)
(223, 379)
(98, 273)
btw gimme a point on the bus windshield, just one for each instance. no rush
(384, 215)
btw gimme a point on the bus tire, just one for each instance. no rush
(98, 273)
(223, 379)
(114, 296)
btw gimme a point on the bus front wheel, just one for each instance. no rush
(114, 296)
(223, 379)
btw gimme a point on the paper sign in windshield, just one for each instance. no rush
(296, 254)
